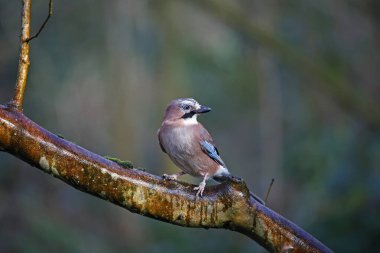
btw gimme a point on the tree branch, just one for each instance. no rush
(227, 205)
(24, 61)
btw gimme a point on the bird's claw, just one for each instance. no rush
(169, 177)
(200, 188)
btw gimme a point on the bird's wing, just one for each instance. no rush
(208, 147)
(212, 152)
(159, 140)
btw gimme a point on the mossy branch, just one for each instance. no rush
(228, 205)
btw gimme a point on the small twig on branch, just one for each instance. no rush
(269, 188)
(24, 61)
(44, 23)
(24, 58)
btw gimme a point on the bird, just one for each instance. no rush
(189, 145)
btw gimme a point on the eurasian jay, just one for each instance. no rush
(188, 144)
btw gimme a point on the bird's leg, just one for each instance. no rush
(173, 176)
(201, 187)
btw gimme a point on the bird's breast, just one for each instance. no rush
(181, 143)
(178, 141)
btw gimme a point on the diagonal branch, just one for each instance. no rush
(227, 205)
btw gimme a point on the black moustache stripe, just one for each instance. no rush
(188, 115)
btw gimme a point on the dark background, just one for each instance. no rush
(294, 87)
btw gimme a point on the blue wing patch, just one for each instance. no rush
(212, 152)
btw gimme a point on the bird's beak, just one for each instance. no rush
(203, 109)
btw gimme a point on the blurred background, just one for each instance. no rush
(294, 87)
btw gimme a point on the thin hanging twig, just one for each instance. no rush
(44, 23)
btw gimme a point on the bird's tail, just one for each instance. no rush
(225, 177)
(228, 177)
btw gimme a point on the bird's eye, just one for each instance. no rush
(186, 107)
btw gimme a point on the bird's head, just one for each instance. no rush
(185, 109)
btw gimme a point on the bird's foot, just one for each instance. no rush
(170, 177)
(200, 188)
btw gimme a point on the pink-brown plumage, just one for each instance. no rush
(188, 144)
(184, 151)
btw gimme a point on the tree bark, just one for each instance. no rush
(227, 205)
